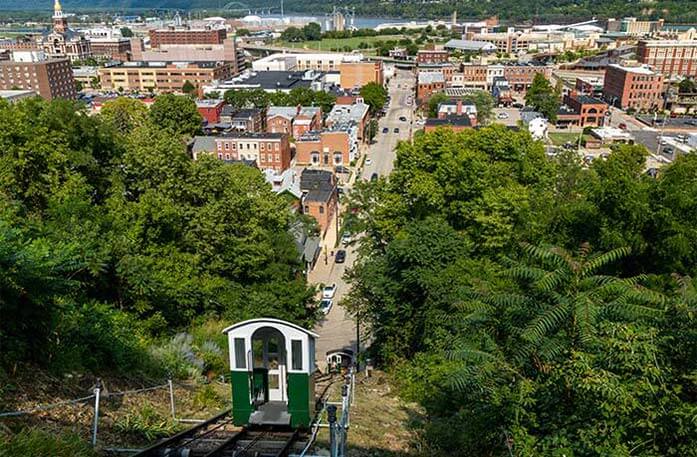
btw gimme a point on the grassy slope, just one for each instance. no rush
(329, 43)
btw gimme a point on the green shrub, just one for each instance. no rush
(207, 397)
(97, 337)
(146, 423)
(35, 442)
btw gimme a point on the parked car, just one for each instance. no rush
(623, 126)
(385, 130)
(368, 161)
(374, 177)
(329, 291)
(340, 256)
(396, 130)
(502, 116)
(691, 122)
(345, 238)
(517, 105)
(402, 118)
(325, 305)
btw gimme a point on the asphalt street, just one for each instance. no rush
(337, 330)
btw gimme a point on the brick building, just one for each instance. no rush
(429, 82)
(328, 148)
(457, 108)
(293, 120)
(581, 111)
(669, 57)
(111, 48)
(354, 114)
(210, 110)
(243, 120)
(452, 121)
(319, 196)
(636, 87)
(268, 150)
(50, 78)
(186, 35)
(520, 77)
(432, 56)
(163, 76)
(358, 74)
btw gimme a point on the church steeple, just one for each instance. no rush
(60, 22)
(57, 9)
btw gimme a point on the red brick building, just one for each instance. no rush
(293, 120)
(51, 78)
(581, 111)
(636, 87)
(319, 198)
(520, 77)
(210, 110)
(268, 150)
(430, 57)
(429, 82)
(185, 35)
(669, 57)
(325, 149)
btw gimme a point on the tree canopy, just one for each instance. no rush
(110, 234)
(374, 95)
(532, 306)
(543, 97)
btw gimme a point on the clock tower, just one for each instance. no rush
(60, 22)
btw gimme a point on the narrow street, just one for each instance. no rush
(338, 329)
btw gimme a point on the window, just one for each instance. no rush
(240, 353)
(321, 209)
(227, 146)
(296, 347)
(227, 156)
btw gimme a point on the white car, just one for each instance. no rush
(325, 305)
(346, 239)
(502, 116)
(368, 161)
(329, 291)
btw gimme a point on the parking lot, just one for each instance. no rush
(506, 116)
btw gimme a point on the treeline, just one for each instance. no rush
(113, 239)
(259, 98)
(538, 10)
(533, 306)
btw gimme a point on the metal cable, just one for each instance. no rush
(45, 407)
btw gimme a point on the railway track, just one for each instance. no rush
(217, 437)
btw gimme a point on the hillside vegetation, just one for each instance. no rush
(112, 240)
(559, 10)
(533, 306)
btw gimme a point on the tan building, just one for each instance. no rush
(225, 52)
(163, 76)
(358, 74)
(50, 78)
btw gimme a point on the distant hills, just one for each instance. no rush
(536, 10)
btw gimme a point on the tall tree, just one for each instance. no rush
(177, 114)
(375, 95)
(543, 97)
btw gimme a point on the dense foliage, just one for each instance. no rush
(531, 305)
(110, 234)
(259, 98)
